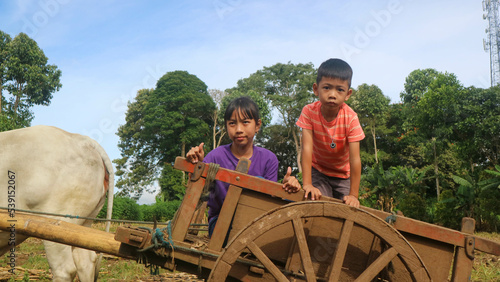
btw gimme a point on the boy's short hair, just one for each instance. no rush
(335, 68)
(245, 105)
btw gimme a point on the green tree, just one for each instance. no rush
(171, 187)
(386, 189)
(371, 105)
(477, 127)
(4, 42)
(436, 116)
(282, 146)
(161, 125)
(416, 85)
(493, 182)
(28, 78)
(289, 88)
(133, 169)
(218, 131)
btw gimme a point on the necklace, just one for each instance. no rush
(332, 144)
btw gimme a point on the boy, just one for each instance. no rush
(331, 164)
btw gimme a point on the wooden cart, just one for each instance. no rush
(274, 235)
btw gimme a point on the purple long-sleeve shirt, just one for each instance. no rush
(264, 163)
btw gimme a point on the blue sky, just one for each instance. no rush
(108, 50)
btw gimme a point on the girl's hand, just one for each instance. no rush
(196, 154)
(315, 193)
(290, 183)
(351, 200)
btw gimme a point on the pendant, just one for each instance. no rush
(333, 145)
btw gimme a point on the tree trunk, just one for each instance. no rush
(436, 169)
(16, 104)
(298, 146)
(214, 130)
(18, 99)
(222, 133)
(372, 129)
(1, 88)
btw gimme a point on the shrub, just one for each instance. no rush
(446, 213)
(163, 211)
(123, 208)
(413, 206)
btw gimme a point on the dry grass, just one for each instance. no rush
(486, 267)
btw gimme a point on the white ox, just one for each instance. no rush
(56, 172)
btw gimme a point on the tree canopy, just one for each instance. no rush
(161, 124)
(27, 78)
(371, 106)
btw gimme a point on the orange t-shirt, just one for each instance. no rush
(331, 139)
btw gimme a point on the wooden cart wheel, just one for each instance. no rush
(319, 241)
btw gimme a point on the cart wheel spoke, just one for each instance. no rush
(268, 264)
(338, 258)
(304, 250)
(379, 264)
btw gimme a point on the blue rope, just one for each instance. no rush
(391, 218)
(158, 237)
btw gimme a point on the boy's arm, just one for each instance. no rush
(355, 163)
(307, 150)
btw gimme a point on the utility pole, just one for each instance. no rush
(492, 41)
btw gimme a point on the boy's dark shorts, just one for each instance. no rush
(330, 186)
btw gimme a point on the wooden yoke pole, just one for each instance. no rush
(61, 232)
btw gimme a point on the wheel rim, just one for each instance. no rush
(299, 217)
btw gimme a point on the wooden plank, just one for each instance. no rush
(377, 266)
(338, 257)
(244, 180)
(268, 264)
(293, 263)
(185, 213)
(251, 205)
(228, 207)
(303, 249)
(437, 257)
(462, 266)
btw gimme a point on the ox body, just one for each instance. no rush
(44, 168)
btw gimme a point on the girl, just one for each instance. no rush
(242, 122)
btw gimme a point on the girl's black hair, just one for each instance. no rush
(245, 105)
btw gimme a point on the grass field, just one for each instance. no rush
(32, 265)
